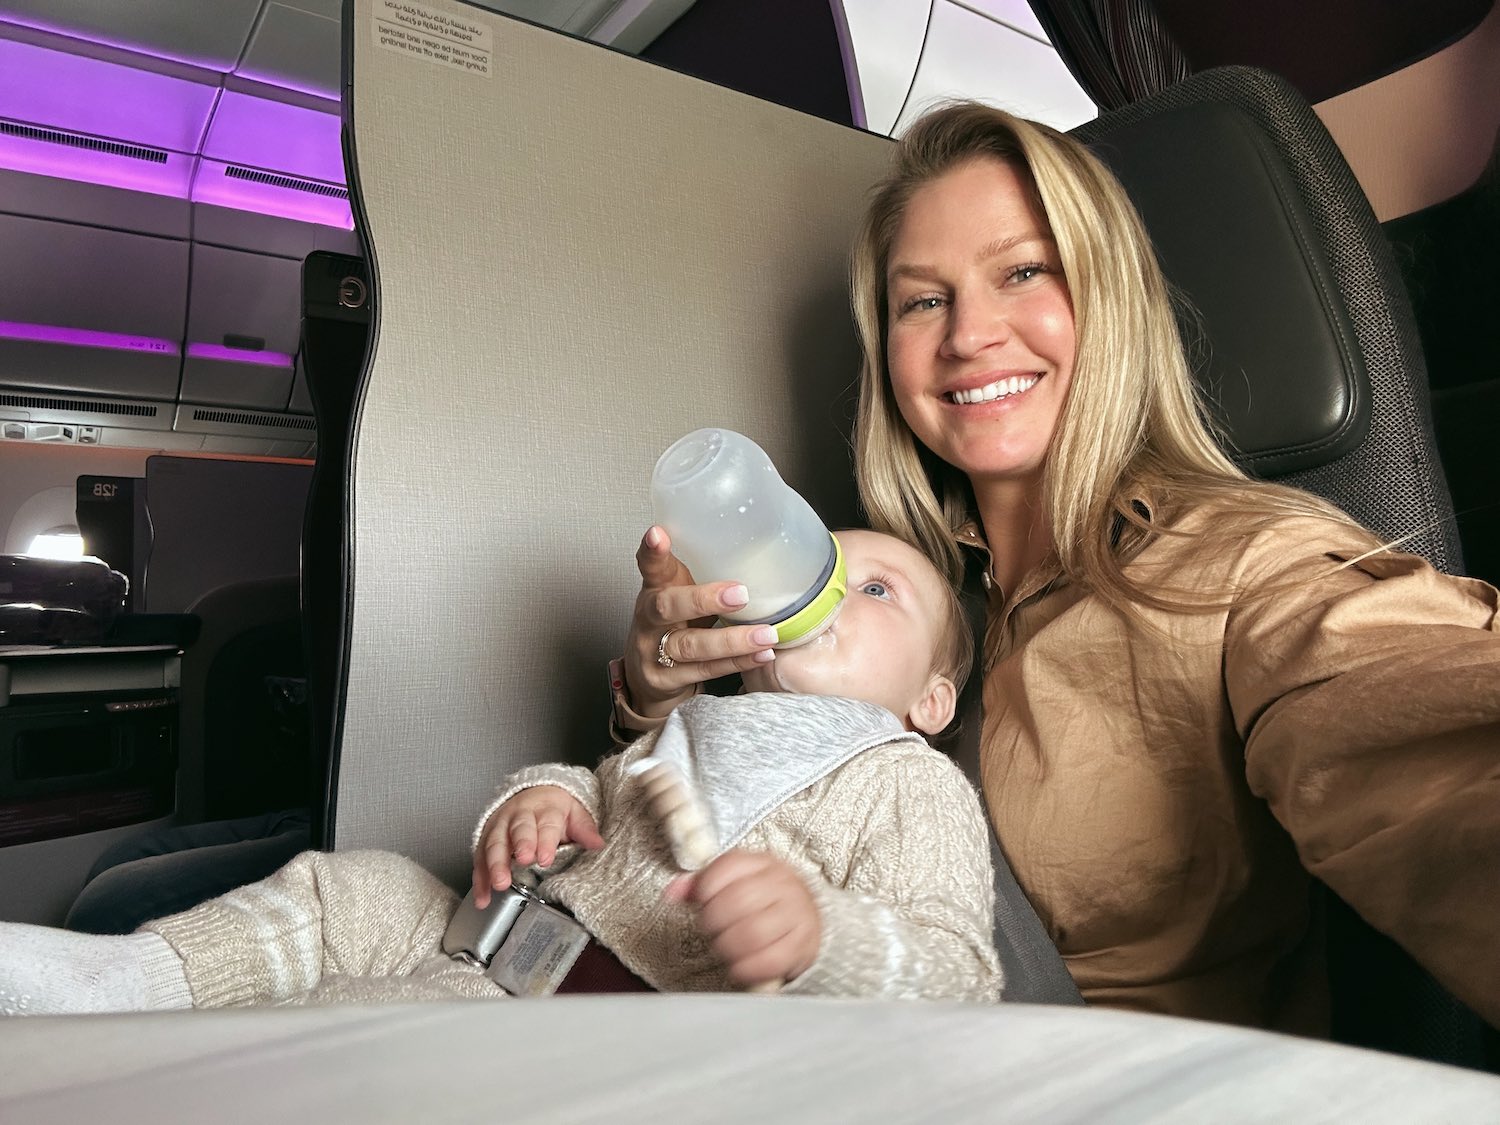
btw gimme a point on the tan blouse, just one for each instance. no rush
(1162, 788)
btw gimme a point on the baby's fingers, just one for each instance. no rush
(550, 829)
(680, 889)
(582, 830)
(491, 863)
(523, 838)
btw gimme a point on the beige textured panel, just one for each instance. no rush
(1425, 133)
(580, 256)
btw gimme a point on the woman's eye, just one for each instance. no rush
(1027, 272)
(921, 304)
(875, 590)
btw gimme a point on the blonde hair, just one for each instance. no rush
(1132, 426)
(954, 657)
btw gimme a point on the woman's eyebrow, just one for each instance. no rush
(992, 249)
(909, 270)
(1005, 245)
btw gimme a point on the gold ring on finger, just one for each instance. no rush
(661, 651)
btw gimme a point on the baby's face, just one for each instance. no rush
(881, 646)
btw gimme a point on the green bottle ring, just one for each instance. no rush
(804, 624)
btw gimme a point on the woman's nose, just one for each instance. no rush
(974, 325)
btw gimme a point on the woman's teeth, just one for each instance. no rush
(1000, 388)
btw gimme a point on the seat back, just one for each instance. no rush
(236, 755)
(1308, 349)
(1305, 338)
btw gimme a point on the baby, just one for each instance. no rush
(853, 858)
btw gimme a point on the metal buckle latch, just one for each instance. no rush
(473, 935)
(526, 945)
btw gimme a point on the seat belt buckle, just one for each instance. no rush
(473, 935)
(525, 945)
(536, 956)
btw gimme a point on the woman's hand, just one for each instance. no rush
(528, 829)
(757, 913)
(670, 605)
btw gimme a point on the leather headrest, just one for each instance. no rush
(1264, 322)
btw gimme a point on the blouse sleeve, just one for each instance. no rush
(626, 724)
(1367, 693)
(914, 918)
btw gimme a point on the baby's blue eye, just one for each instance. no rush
(875, 590)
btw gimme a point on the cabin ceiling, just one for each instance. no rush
(295, 43)
(185, 156)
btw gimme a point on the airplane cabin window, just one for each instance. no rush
(58, 543)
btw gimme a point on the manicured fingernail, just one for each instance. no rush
(734, 597)
(765, 635)
(765, 656)
(653, 537)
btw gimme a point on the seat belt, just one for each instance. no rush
(1033, 970)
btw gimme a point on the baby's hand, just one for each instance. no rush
(527, 829)
(757, 913)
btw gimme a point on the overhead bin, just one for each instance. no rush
(154, 217)
(91, 311)
(274, 157)
(76, 201)
(242, 326)
(106, 99)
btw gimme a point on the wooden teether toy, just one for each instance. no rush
(684, 821)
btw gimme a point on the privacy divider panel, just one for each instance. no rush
(577, 257)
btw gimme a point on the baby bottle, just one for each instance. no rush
(731, 516)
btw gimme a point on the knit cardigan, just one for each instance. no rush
(892, 843)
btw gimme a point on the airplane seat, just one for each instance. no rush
(1309, 353)
(245, 778)
(1455, 293)
(243, 744)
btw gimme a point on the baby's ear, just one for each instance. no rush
(934, 708)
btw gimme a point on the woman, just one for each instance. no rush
(1199, 692)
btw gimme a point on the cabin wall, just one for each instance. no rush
(1386, 128)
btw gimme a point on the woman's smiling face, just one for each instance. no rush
(980, 339)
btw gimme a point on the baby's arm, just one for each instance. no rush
(536, 810)
(914, 918)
